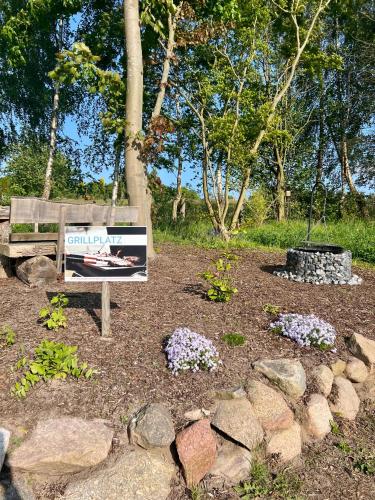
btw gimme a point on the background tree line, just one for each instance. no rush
(264, 97)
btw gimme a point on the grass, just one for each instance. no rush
(356, 236)
(233, 339)
(262, 484)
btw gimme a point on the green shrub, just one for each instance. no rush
(54, 317)
(233, 339)
(51, 360)
(222, 288)
(7, 336)
(271, 309)
(257, 209)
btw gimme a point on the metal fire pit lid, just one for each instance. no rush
(313, 246)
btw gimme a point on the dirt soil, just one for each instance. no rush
(132, 366)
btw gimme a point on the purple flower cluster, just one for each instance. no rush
(306, 330)
(187, 350)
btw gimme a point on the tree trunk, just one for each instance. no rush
(116, 172)
(346, 172)
(280, 186)
(178, 198)
(136, 179)
(54, 124)
(321, 147)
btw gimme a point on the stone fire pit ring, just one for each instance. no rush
(319, 264)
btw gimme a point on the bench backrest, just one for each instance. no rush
(37, 211)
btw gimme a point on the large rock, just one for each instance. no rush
(232, 463)
(366, 390)
(286, 444)
(338, 367)
(152, 427)
(317, 418)
(269, 406)
(136, 475)
(4, 443)
(344, 399)
(237, 392)
(16, 488)
(196, 448)
(37, 271)
(356, 370)
(322, 377)
(288, 374)
(237, 419)
(363, 348)
(64, 445)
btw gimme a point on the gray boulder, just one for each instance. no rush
(152, 427)
(287, 374)
(136, 475)
(37, 271)
(62, 446)
(237, 419)
(4, 443)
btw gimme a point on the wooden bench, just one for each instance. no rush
(36, 211)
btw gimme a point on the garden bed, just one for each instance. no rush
(132, 367)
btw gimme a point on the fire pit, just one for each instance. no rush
(319, 264)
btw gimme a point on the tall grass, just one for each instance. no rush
(356, 236)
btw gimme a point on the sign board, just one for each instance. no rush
(100, 253)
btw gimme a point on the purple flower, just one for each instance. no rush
(306, 330)
(187, 350)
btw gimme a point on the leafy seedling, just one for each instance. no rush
(271, 309)
(51, 360)
(222, 288)
(7, 336)
(54, 317)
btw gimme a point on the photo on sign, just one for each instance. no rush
(100, 253)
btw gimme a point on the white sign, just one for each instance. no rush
(100, 253)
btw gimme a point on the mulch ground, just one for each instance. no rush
(132, 366)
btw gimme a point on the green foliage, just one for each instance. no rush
(51, 360)
(233, 339)
(259, 484)
(335, 429)
(79, 64)
(54, 317)
(271, 309)
(25, 171)
(262, 483)
(365, 463)
(7, 336)
(257, 209)
(222, 289)
(343, 446)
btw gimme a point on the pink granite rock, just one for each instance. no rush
(196, 448)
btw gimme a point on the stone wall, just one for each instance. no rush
(319, 267)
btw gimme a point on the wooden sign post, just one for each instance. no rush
(106, 291)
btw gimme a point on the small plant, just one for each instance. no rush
(365, 464)
(187, 350)
(271, 309)
(7, 336)
(306, 330)
(335, 429)
(343, 446)
(233, 339)
(222, 289)
(263, 484)
(54, 317)
(51, 360)
(259, 484)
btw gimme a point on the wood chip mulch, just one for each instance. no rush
(132, 366)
